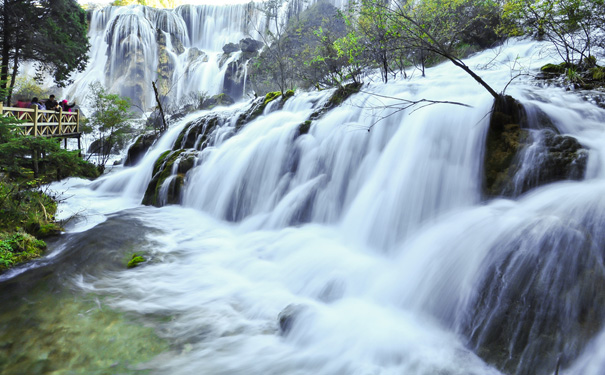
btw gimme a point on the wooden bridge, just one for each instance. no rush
(45, 123)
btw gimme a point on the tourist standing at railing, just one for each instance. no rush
(51, 103)
(36, 103)
(66, 107)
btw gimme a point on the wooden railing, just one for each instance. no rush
(44, 123)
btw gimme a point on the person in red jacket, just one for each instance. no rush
(66, 107)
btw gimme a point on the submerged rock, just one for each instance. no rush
(288, 317)
(541, 299)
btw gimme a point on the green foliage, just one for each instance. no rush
(574, 27)
(26, 157)
(598, 73)
(26, 88)
(50, 32)
(110, 121)
(18, 247)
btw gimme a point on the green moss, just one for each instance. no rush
(271, 96)
(135, 260)
(18, 247)
(288, 94)
(554, 68)
(598, 73)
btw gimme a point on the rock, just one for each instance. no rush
(338, 97)
(156, 193)
(100, 146)
(233, 83)
(250, 45)
(138, 149)
(195, 54)
(230, 48)
(288, 316)
(508, 169)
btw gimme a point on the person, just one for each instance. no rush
(66, 107)
(51, 103)
(35, 103)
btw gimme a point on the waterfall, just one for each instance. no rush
(305, 239)
(360, 241)
(181, 49)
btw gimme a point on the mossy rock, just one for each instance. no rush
(271, 96)
(288, 94)
(554, 68)
(162, 171)
(562, 157)
(338, 97)
(304, 127)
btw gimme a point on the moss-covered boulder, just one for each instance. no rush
(558, 157)
(196, 133)
(138, 149)
(338, 97)
(168, 177)
(258, 107)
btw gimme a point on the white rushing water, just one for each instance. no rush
(379, 241)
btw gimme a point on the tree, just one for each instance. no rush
(274, 58)
(438, 26)
(49, 32)
(110, 121)
(574, 27)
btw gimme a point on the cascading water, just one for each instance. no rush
(342, 251)
(181, 49)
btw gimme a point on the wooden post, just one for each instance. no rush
(1, 109)
(60, 122)
(35, 121)
(78, 125)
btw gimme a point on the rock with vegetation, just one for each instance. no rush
(587, 75)
(559, 157)
(168, 177)
(258, 106)
(341, 94)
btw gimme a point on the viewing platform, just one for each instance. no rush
(45, 123)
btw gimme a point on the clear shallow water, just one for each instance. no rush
(379, 241)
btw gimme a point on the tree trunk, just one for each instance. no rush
(6, 36)
(13, 77)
